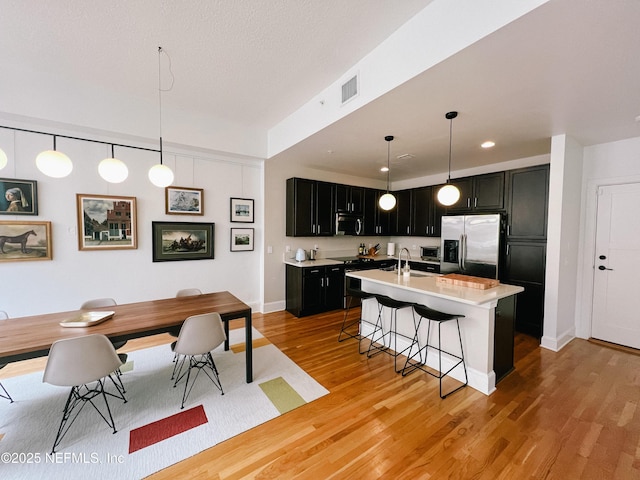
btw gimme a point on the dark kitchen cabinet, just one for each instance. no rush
(503, 341)
(312, 290)
(376, 220)
(426, 212)
(525, 264)
(349, 199)
(481, 193)
(310, 208)
(400, 216)
(527, 203)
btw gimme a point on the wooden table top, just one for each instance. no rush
(33, 336)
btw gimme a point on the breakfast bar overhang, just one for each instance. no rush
(478, 327)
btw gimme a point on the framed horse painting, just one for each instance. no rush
(21, 241)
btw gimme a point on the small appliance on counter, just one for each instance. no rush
(301, 255)
(430, 253)
(313, 253)
(391, 249)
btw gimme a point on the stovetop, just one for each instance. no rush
(351, 260)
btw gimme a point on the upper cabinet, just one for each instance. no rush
(481, 193)
(376, 220)
(400, 215)
(527, 203)
(349, 199)
(426, 212)
(310, 208)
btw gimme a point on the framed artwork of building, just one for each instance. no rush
(106, 222)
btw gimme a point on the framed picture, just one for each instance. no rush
(183, 201)
(20, 241)
(106, 222)
(241, 239)
(182, 241)
(242, 210)
(19, 197)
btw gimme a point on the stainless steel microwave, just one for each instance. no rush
(348, 224)
(430, 252)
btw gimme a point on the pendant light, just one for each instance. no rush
(449, 194)
(387, 201)
(53, 163)
(160, 175)
(113, 170)
(3, 159)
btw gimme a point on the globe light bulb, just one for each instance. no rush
(113, 170)
(54, 164)
(161, 175)
(387, 201)
(448, 195)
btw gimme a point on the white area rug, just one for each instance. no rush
(90, 450)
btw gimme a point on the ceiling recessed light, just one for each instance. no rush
(384, 169)
(488, 144)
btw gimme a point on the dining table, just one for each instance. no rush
(23, 338)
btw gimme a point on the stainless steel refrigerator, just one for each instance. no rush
(470, 244)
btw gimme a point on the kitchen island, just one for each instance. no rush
(481, 339)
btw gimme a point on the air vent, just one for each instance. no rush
(350, 89)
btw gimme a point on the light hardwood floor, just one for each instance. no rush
(569, 415)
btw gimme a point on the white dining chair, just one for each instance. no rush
(199, 335)
(4, 316)
(82, 363)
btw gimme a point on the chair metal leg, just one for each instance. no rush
(76, 402)
(205, 361)
(6, 394)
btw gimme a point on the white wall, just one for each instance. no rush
(73, 276)
(562, 242)
(606, 164)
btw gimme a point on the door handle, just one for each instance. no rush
(602, 267)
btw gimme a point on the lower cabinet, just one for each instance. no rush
(503, 344)
(525, 267)
(312, 290)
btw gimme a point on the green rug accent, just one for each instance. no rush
(282, 395)
(127, 367)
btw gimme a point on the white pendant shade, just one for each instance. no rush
(3, 159)
(448, 195)
(54, 164)
(387, 201)
(113, 170)
(161, 175)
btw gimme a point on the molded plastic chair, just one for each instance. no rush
(185, 292)
(4, 316)
(101, 303)
(188, 292)
(199, 335)
(82, 363)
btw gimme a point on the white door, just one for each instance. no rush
(616, 295)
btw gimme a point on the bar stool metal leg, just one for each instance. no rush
(413, 364)
(378, 344)
(347, 325)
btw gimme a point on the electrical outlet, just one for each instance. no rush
(269, 249)
(287, 248)
(315, 247)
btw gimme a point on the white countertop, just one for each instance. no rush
(321, 262)
(425, 283)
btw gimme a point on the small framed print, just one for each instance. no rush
(183, 201)
(242, 210)
(241, 239)
(174, 241)
(21, 241)
(19, 197)
(106, 222)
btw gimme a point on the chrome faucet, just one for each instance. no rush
(404, 249)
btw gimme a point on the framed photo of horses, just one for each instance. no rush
(24, 241)
(174, 241)
(18, 197)
(106, 222)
